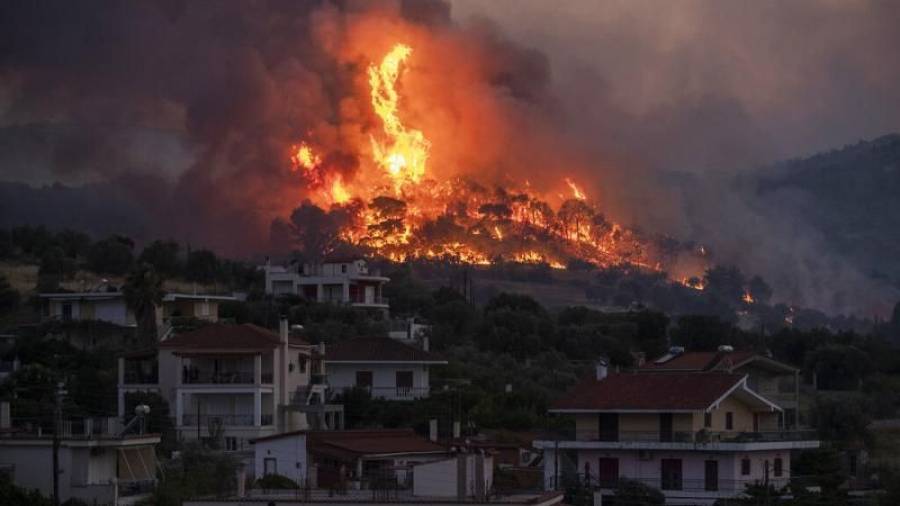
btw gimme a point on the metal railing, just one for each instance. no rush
(394, 392)
(698, 437)
(228, 420)
(369, 300)
(680, 483)
(198, 376)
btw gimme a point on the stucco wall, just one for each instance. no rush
(290, 455)
(384, 380)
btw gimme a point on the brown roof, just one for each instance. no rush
(648, 391)
(219, 336)
(378, 349)
(701, 361)
(371, 442)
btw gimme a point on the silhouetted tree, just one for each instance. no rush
(112, 255)
(143, 293)
(163, 256)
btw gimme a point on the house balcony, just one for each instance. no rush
(133, 377)
(225, 420)
(207, 377)
(676, 486)
(684, 440)
(395, 393)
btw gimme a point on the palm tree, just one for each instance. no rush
(143, 293)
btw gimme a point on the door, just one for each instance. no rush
(755, 422)
(270, 466)
(370, 295)
(608, 472)
(712, 475)
(608, 427)
(665, 427)
(670, 470)
(404, 383)
(364, 379)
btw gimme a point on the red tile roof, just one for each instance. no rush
(371, 442)
(221, 336)
(701, 361)
(648, 391)
(378, 349)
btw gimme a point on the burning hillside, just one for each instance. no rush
(395, 206)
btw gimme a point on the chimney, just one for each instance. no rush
(283, 329)
(601, 369)
(433, 430)
(5, 418)
(425, 343)
(456, 429)
(322, 349)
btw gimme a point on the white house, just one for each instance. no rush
(386, 367)
(234, 383)
(696, 436)
(338, 279)
(96, 464)
(285, 454)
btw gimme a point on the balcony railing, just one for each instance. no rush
(196, 376)
(680, 483)
(227, 420)
(395, 392)
(369, 300)
(699, 437)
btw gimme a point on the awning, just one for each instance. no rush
(137, 464)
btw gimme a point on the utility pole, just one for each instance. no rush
(57, 427)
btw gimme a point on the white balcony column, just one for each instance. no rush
(257, 408)
(121, 370)
(179, 409)
(121, 403)
(179, 376)
(320, 293)
(346, 294)
(257, 369)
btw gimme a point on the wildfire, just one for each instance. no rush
(576, 191)
(405, 152)
(748, 298)
(695, 283)
(405, 215)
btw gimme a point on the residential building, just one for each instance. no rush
(285, 454)
(386, 367)
(338, 279)
(465, 476)
(774, 380)
(697, 437)
(107, 304)
(97, 464)
(363, 459)
(234, 383)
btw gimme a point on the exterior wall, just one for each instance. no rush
(646, 467)
(290, 454)
(384, 379)
(109, 310)
(441, 478)
(84, 474)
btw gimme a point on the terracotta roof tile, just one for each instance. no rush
(377, 349)
(648, 391)
(700, 361)
(372, 442)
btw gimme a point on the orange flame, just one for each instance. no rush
(576, 191)
(405, 152)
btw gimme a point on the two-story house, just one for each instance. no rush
(107, 304)
(773, 379)
(697, 437)
(386, 367)
(234, 383)
(338, 279)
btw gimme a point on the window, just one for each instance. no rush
(790, 417)
(231, 444)
(364, 379)
(608, 427)
(852, 464)
(270, 466)
(66, 312)
(729, 421)
(671, 474)
(745, 467)
(779, 467)
(404, 379)
(707, 420)
(343, 268)
(301, 363)
(608, 472)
